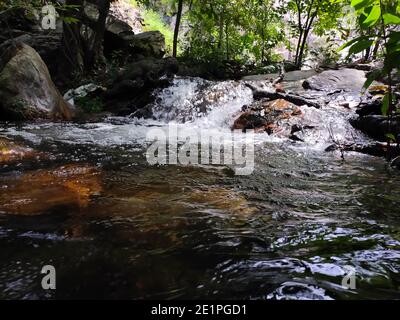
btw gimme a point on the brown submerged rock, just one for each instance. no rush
(11, 152)
(37, 192)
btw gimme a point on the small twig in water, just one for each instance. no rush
(340, 145)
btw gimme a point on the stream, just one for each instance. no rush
(117, 227)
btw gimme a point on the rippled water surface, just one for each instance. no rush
(116, 227)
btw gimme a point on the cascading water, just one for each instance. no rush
(202, 102)
(290, 230)
(195, 104)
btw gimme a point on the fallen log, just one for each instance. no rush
(272, 95)
(378, 149)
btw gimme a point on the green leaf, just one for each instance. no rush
(350, 43)
(385, 104)
(360, 46)
(391, 137)
(373, 17)
(359, 4)
(70, 20)
(371, 78)
(389, 18)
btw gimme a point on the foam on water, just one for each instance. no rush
(194, 105)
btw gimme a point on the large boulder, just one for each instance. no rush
(132, 88)
(124, 31)
(148, 44)
(350, 80)
(370, 119)
(26, 88)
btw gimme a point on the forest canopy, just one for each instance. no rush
(256, 32)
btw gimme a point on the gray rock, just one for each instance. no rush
(151, 43)
(82, 91)
(298, 75)
(26, 88)
(350, 80)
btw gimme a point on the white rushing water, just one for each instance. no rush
(193, 104)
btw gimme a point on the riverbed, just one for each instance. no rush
(114, 226)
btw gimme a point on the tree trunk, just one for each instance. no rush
(176, 31)
(296, 61)
(304, 42)
(84, 54)
(72, 46)
(95, 54)
(376, 49)
(300, 26)
(221, 31)
(227, 41)
(263, 45)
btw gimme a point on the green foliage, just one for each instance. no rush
(317, 16)
(153, 21)
(240, 30)
(90, 105)
(384, 16)
(327, 54)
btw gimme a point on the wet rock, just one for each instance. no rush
(268, 116)
(26, 88)
(279, 88)
(119, 35)
(261, 77)
(132, 89)
(350, 80)
(11, 152)
(89, 89)
(377, 126)
(151, 43)
(369, 67)
(299, 75)
(377, 149)
(370, 107)
(289, 66)
(40, 191)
